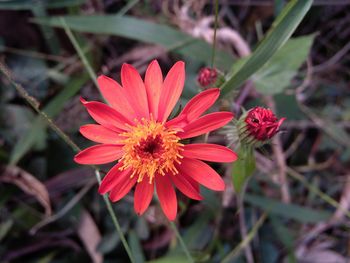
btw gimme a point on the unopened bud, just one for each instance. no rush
(257, 126)
(207, 76)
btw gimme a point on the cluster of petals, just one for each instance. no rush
(134, 130)
(262, 123)
(207, 76)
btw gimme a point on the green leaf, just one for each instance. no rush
(278, 72)
(291, 211)
(280, 32)
(243, 168)
(135, 247)
(36, 131)
(284, 234)
(144, 31)
(29, 4)
(5, 227)
(171, 259)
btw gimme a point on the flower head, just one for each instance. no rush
(258, 125)
(135, 130)
(207, 76)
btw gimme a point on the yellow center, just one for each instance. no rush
(150, 148)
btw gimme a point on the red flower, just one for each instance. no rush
(134, 130)
(207, 76)
(262, 123)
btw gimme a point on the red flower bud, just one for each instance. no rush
(207, 76)
(262, 123)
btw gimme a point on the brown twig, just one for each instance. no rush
(279, 156)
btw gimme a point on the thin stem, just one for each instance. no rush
(182, 243)
(79, 51)
(234, 253)
(115, 221)
(291, 172)
(243, 227)
(127, 7)
(216, 7)
(36, 106)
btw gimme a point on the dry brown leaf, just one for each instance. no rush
(28, 183)
(90, 236)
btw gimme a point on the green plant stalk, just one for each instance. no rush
(36, 106)
(127, 7)
(115, 221)
(234, 253)
(109, 207)
(182, 243)
(216, 10)
(294, 174)
(79, 51)
(39, 10)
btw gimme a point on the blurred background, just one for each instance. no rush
(296, 206)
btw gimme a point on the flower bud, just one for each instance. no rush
(207, 76)
(257, 126)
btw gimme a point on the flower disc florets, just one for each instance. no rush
(150, 148)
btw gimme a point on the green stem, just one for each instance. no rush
(216, 7)
(291, 172)
(182, 243)
(115, 221)
(36, 106)
(79, 51)
(235, 252)
(127, 7)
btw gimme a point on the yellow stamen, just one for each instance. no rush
(150, 148)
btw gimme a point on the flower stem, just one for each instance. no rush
(234, 253)
(216, 10)
(115, 221)
(36, 106)
(182, 243)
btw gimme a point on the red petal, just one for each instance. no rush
(177, 123)
(135, 90)
(167, 196)
(113, 177)
(185, 186)
(106, 116)
(99, 154)
(200, 103)
(171, 91)
(122, 188)
(209, 152)
(205, 124)
(202, 173)
(114, 95)
(153, 84)
(98, 133)
(143, 196)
